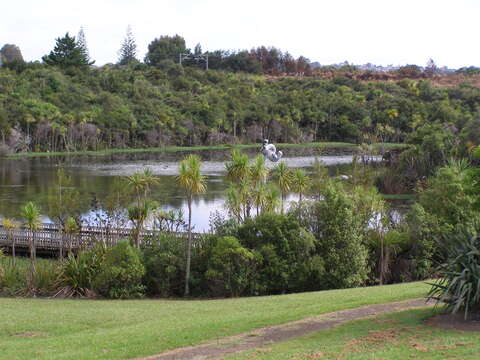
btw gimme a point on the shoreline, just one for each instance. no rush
(327, 145)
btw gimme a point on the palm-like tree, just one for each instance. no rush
(9, 226)
(71, 228)
(239, 173)
(140, 183)
(260, 197)
(259, 171)
(300, 183)
(234, 203)
(272, 196)
(193, 182)
(237, 167)
(138, 214)
(284, 179)
(32, 222)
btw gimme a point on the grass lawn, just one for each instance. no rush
(98, 329)
(399, 336)
(193, 148)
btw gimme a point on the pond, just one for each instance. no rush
(30, 179)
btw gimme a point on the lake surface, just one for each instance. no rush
(30, 179)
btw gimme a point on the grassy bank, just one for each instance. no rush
(397, 336)
(94, 329)
(198, 148)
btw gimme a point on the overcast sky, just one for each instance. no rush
(328, 31)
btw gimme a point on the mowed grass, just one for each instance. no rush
(397, 336)
(197, 148)
(99, 329)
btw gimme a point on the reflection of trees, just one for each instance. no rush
(31, 179)
(26, 180)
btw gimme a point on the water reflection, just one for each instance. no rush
(30, 179)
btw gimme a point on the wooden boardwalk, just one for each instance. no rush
(50, 239)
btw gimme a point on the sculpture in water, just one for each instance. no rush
(270, 152)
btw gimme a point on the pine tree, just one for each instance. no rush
(67, 53)
(128, 52)
(82, 44)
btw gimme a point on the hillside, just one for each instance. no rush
(43, 108)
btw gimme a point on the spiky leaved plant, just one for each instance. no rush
(459, 284)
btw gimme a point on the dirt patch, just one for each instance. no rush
(264, 337)
(27, 335)
(455, 322)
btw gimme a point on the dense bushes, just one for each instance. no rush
(231, 268)
(44, 109)
(116, 273)
(16, 277)
(282, 250)
(164, 261)
(336, 225)
(344, 238)
(120, 274)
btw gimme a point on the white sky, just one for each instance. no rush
(329, 31)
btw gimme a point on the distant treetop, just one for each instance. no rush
(128, 52)
(67, 53)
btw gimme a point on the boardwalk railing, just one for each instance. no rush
(51, 238)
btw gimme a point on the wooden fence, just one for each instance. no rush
(50, 237)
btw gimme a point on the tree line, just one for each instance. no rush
(66, 104)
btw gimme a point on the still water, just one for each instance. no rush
(30, 179)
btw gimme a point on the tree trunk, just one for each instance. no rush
(381, 260)
(189, 247)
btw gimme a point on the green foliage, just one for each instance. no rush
(164, 260)
(445, 202)
(459, 283)
(31, 214)
(340, 237)
(284, 178)
(121, 273)
(13, 277)
(282, 249)
(230, 267)
(144, 106)
(165, 48)
(67, 53)
(301, 182)
(80, 271)
(128, 51)
(193, 183)
(16, 277)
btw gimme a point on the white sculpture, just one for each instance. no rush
(270, 152)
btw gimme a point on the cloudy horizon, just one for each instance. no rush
(371, 31)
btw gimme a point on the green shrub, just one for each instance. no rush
(459, 283)
(339, 233)
(46, 277)
(164, 261)
(121, 273)
(283, 250)
(230, 267)
(16, 280)
(79, 271)
(13, 281)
